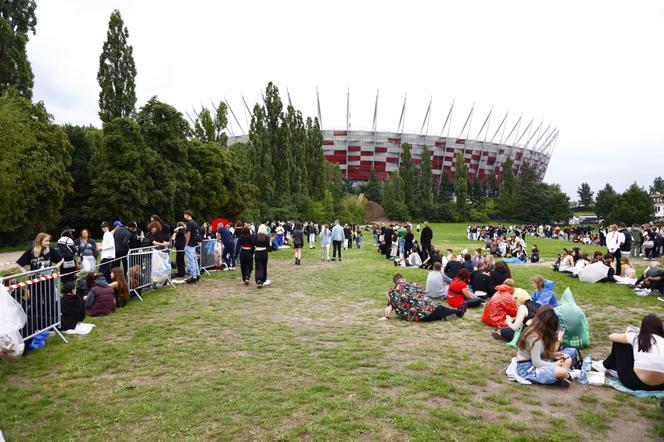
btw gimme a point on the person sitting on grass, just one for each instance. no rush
(120, 287)
(459, 294)
(500, 305)
(481, 281)
(414, 258)
(543, 293)
(500, 273)
(534, 254)
(453, 266)
(100, 300)
(579, 265)
(538, 358)
(652, 279)
(608, 261)
(573, 321)
(566, 262)
(637, 356)
(437, 283)
(73, 307)
(627, 272)
(526, 311)
(410, 302)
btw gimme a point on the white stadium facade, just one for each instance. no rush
(356, 152)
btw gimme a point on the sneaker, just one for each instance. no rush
(496, 335)
(246, 282)
(461, 310)
(267, 282)
(232, 269)
(227, 269)
(450, 317)
(259, 285)
(574, 374)
(191, 281)
(632, 286)
(334, 259)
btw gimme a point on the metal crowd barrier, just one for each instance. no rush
(148, 267)
(38, 292)
(210, 254)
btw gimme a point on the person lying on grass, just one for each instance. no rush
(410, 302)
(500, 305)
(526, 311)
(539, 358)
(652, 279)
(637, 356)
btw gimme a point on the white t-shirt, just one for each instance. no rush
(108, 246)
(651, 361)
(614, 240)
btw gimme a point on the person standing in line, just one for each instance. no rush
(68, 250)
(312, 235)
(121, 237)
(192, 237)
(245, 251)
(180, 242)
(614, 241)
(298, 242)
(87, 250)
(401, 240)
(224, 234)
(637, 237)
(337, 238)
(107, 250)
(260, 257)
(358, 237)
(325, 241)
(348, 237)
(425, 238)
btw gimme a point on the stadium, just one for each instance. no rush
(356, 152)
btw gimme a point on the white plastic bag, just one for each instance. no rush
(161, 267)
(12, 320)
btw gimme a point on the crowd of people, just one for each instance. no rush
(546, 332)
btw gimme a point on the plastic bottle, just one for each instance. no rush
(587, 362)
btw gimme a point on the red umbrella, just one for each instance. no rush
(215, 223)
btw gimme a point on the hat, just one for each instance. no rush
(68, 287)
(105, 224)
(117, 223)
(66, 230)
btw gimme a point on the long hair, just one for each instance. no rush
(123, 288)
(538, 281)
(544, 326)
(650, 326)
(37, 243)
(502, 267)
(154, 225)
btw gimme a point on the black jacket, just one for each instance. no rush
(426, 236)
(121, 236)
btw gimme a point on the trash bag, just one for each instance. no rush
(12, 320)
(161, 267)
(573, 321)
(39, 341)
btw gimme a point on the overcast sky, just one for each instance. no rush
(594, 69)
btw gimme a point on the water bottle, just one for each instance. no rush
(587, 362)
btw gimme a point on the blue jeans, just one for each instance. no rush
(192, 261)
(229, 255)
(358, 242)
(402, 243)
(542, 375)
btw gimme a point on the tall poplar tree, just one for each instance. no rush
(17, 20)
(461, 186)
(407, 174)
(425, 184)
(117, 72)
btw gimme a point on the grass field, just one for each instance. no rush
(307, 359)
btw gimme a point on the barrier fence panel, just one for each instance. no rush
(148, 267)
(210, 254)
(38, 292)
(139, 269)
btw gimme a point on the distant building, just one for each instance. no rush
(658, 205)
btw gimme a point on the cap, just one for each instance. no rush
(68, 287)
(105, 224)
(66, 230)
(117, 223)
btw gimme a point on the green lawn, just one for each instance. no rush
(307, 359)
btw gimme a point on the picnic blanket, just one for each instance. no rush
(615, 383)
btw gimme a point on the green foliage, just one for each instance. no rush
(461, 187)
(585, 196)
(351, 209)
(209, 129)
(17, 20)
(117, 72)
(657, 185)
(214, 183)
(506, 203)
(425, 207)
(165, 132)
(86, 141)
(634, 206)
(394, 198)
(35, 155)
(407, 173)
(372, 189)
(121, 179)
(605, 200)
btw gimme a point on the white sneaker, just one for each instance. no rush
(226, 269)
(267, 282)
(599, 366)
(574, 374)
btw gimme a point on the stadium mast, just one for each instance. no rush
(320, 118)
(374, 128)
(486, 134)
